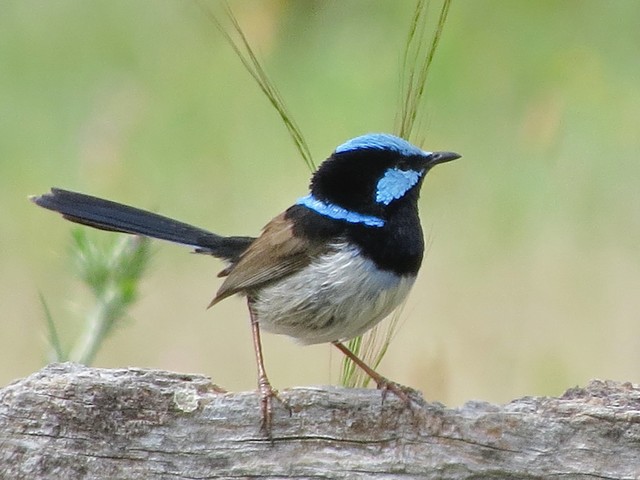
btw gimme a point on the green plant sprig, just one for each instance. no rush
(112, 272)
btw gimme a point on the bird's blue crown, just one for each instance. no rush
(381, 141)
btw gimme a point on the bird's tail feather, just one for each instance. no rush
(107, 215)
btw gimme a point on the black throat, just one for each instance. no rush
(397, 247)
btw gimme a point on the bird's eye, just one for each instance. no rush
(403, 165)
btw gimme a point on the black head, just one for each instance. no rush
(372, 173)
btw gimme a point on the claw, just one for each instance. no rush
(383, 383)
(386, 385)
(267, 393)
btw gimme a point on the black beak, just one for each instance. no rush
(441, 157)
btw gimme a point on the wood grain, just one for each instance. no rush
(72, 422)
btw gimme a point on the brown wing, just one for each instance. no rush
(273, 255)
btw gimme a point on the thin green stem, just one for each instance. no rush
(246, 54)
(53, 338)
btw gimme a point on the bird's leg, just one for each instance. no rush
(383, 383)
(266, 391)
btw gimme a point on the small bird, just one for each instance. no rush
(327, 269)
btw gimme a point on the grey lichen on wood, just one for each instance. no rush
(72, 422)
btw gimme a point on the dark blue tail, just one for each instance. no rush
(106, 215)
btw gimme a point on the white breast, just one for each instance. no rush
(339, 296)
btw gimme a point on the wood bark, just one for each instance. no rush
(73, 422)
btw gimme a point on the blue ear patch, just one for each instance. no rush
(381, 141)
(395, 183)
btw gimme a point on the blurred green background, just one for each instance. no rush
(531, 283)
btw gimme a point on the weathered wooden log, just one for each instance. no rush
(72, 422)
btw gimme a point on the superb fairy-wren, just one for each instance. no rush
(327, 269)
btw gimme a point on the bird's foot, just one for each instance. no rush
(402, 392)
(267, 393)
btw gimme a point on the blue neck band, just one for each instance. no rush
(339, 213)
